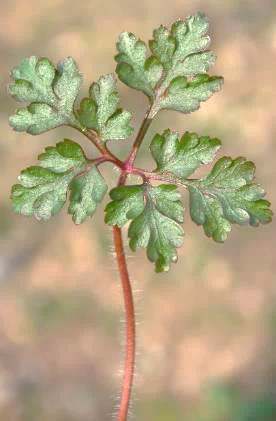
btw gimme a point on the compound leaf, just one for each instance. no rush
(51, 91)
(156, 214)
(100, 111)
(42, 191)
(133, 68)
(182, 157)
(227, 195)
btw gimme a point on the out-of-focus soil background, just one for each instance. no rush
(207, 330)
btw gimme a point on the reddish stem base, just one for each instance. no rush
(130, 326)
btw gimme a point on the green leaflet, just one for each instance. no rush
(185, 96)
(100, 111)
(181, 50)
(133, 68)
(158, 227)
(182, 157)
(163, 46)
(66, 155)
(42, 191)
(86, 192)
(51, 92)
(191, 40)
(185, 81)
(177, 66)
(227, 195)
(156, 214)
(127, 203)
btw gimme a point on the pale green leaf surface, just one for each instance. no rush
(185, 96)
(51, 92)
(178, 54)
(86, 192)
(227, 195)
(100, 111)
(127, 203)
(158, 228)
(182, 157)
(194, 64)
(117, 126)
(190, 35)
(65, 156)
(33, 80)
(35, 119)
(156, 214)
(134, 68)
(182, 52)
(163, 46)
(42, 191)
(67, 84)
(191, 40)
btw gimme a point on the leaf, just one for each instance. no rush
(37, 118)
(156, 214)
(52, 93)
(65, 156)
(190, 35)
(182, 157)
(174, 76)
(158, 227)
(133, 68)
(42, 191)
(227, 195)
(127, 203)
(182, 50)
(86, 192)
(163, 46)
(185, 96)
(100, 111)
(33, 80)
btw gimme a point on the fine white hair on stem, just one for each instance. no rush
(120, 369)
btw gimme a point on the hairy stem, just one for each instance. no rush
(130, 326)
(126, 168)
(106, 155)
(125, 281)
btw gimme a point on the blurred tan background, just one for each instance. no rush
(207, 330)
